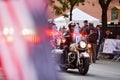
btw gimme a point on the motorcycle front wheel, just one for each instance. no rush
(83, 66)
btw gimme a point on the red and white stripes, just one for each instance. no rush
(14, 56)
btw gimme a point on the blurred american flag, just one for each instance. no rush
(17, 62)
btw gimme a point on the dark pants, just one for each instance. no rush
(97, 49)
(64, 56)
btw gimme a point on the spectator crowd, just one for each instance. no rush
(96, 36)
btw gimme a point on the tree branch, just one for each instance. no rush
(108, 2)
(75, 2)
(66, 4)
(70, 2)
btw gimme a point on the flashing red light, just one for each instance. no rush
(51, 32)
(80, 34)
(74, 34)
(85, 35)
(34, 38)
(63, 40)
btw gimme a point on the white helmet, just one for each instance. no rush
(71, 23)
(50, 20)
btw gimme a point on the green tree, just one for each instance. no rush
(65, 5)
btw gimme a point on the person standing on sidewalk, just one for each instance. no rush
(85, 29)
(100, 39)
(92, 39)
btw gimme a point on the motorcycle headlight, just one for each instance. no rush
(82, 44)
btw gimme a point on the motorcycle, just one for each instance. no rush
(74, 56)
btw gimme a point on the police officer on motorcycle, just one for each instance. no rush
(74, 53)
(69, 39)
(69, 33)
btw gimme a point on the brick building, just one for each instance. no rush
(91, 7)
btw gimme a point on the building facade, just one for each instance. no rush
(91, 7)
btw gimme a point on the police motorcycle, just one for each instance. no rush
(74, 56)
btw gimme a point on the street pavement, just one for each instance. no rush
(101, 70)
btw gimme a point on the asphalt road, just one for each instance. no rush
(101, 70)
